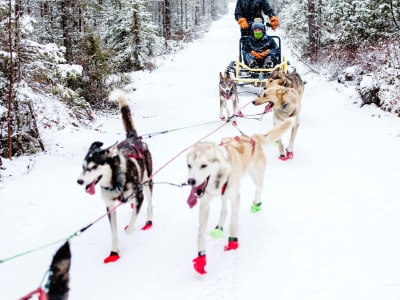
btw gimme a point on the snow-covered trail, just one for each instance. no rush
(328, 229)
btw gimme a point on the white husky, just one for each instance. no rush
(216, 171)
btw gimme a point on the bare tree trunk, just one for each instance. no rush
(313, 30)
(167, 20)
(11, 81)
(65, 21)
(36, 127)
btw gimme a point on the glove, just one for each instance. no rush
(274, 22)
(256, 54)
(264, 53)
(243, 23)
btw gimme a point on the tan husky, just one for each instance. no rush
(283, 92)
(291, 80)
(215, 170)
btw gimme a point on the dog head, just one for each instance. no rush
(97, 166)
(277, 78)
(207, 170)
(273, 96)
(226, 85)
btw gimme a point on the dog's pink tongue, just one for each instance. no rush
(192, 200)
(91, 188)
(268, 108)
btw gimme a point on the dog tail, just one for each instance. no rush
(59, 278)
(275, 133)
(129, 125)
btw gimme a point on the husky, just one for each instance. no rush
(283, 92)
(57, 287)
(123, 171)
(215, 170)
(290, 80)
(227, 92)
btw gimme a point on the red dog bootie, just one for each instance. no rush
(289, 154)
(233, 244)
(148, 225)
(199, 263)
(114, 256)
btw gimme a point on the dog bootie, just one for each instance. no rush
(256, 207)
(114, 256)
(289, 155)
(148, 225)
(233, 244)
(199, 263)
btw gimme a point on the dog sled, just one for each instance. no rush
(244, 75)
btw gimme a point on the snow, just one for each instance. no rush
(330, 218)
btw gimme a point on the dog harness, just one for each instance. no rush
(129, 148)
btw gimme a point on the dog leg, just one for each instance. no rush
(292, 137)
(222, 106)
(233, 243)
(200, 261)
(257, 175)
(148, 196)
(130, 228)
(218, 231)
(112, 217)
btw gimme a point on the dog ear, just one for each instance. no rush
(220, 75)
(95, 145)
(113, 149)
(277, 68)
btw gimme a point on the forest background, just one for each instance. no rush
(68, 54)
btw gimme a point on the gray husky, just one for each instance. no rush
(227, 92)
(123, 171)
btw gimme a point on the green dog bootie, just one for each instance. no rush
(256, 207)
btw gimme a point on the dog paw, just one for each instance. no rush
(114, 256)
(256, 207)
(289, 155)
(217, 233)
(129, 230)
(148, 225)
(199, 263)
(233, 244)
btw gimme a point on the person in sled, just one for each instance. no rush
(247, 10)
(260, 50)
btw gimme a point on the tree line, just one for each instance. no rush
(68, 50)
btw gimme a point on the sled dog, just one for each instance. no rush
(227, 92)
(215, 170)
(57, 285)
(123, 171)
(290, 80)
(284, 93)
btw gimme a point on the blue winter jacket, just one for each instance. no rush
(251, 9)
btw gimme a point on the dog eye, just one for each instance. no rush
(203, 166)
(189, 166)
